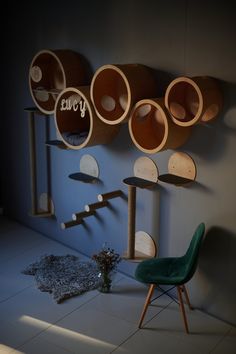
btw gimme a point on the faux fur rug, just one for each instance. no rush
(64, 276)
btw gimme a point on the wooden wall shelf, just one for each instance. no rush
(89, 170)
(145, 247)
(151, 128)
(181, 170)
(193, 100)
(116, 88)
(51, 71)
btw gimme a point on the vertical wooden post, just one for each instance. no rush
(131, 221)
(33, 171)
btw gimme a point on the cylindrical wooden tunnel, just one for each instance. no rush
(116, 88)
(82, 214)
(94, 206)
(51, 71)
(71, 223)
(76, 121)
(193, 100)
(131, 221)
(151, 128)
(109, 195)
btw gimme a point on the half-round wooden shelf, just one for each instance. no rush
(193, 100)
(138, 182)
(83, 177)
(116, 88)
(151, 128)
(51, 71)
(145, 247)
(181, 170)
(76, 121)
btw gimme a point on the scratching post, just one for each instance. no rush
(109, 195)
(131, 221)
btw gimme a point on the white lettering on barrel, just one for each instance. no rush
(82, 106)
(67, 105)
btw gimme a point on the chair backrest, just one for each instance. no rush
(191, 256)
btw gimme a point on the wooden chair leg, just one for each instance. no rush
(187, 297)
(147, 302)
(181, 304)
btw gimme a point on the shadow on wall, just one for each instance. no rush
(214, 135)
(217, 264)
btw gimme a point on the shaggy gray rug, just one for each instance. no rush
(64, 276)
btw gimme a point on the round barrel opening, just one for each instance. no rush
(183, 102)
(46, 80)
(110, 95)
(73, 118)
(148, 127)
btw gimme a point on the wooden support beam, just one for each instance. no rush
(94, 206)
(71, 223)
(131, 221)
(33, 171)
(110, 195)
(82, 214)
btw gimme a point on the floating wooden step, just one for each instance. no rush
(109, 195)
(71, 223)
(181, 170)
(89, 170)
(82, 215)
(94, 206)
(83, 177)
(138, 182)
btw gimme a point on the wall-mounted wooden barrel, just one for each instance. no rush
(151, 128)
(193, 100)
(76, 121)
(51, 71)
(116, 88)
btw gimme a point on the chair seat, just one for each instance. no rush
(168, 271)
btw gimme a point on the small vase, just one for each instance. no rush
(105, 284)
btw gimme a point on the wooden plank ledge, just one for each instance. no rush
(138, 182)
(83, 177)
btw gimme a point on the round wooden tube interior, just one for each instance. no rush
(131, 221)
(82, 214)
(110, 195)
(67, 224)
(94, 206)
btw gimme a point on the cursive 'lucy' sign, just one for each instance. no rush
(68, 105)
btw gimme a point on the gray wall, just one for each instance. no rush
(175, 38)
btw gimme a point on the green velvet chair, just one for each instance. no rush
(175, 271)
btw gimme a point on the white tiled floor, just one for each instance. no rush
(32, 323)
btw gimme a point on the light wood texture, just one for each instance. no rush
(138, 182)
(131, 221)
(52, 71)
(145, 247)
(109, 195)
(73, 120)
(145, 168)
(82, 215)
(151, 128)
(193, 100)
(182, 164)
(145, 244)
(46, 203)
(95, 206)
(116, 88)
(147, 302)
(181, 168)
(89, 165)
(71, 223)
(181, 304)
(183, 287)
